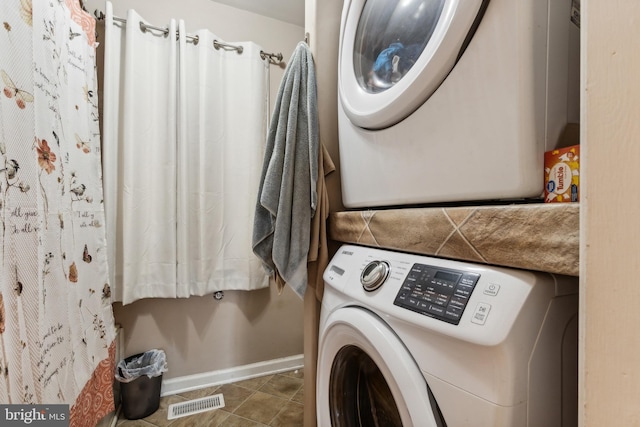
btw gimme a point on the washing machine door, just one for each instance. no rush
(366, 377)
(395, 53)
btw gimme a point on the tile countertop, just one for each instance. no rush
(538, 236)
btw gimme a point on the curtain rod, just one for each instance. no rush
(273, 58)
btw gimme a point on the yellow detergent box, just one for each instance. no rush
(562, 175)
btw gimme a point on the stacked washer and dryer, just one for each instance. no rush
(445, 101)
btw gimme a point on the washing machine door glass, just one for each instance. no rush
(359, 393)
(394, 54)
(366, 377)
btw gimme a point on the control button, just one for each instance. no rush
(423, 305)
(413, 302)
(453, 313)
(470, 279)
(402, 296)
(460, 292)
(435, 309)
(417, 294)
(442, 299)
(459, 302)
(480, 314)
(428, 298)
(491, 289)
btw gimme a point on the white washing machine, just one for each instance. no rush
(453, 100)
(409, 340)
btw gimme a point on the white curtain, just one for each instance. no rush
(185, 126)
(223, 119)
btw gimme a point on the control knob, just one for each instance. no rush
(374, 275)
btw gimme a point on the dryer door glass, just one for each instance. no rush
(358, 393)
(394, 54)
(390, 37)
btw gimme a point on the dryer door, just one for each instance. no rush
(366, 376)
(395, 53)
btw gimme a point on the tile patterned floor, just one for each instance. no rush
(269, 401)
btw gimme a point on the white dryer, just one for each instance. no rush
(452, 100)
(409, 340)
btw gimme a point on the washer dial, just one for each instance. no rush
(374, 275)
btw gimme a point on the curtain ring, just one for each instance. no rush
(218, 45)
(144, 28)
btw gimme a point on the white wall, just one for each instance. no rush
(322, 21)
(200, 334)
(610, 229)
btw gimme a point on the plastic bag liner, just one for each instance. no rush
(151, 363)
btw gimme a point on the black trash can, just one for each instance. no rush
(140, 397)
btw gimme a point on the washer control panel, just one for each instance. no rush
(437, 292)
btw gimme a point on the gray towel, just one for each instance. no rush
(287, 196)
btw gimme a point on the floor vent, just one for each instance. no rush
(195, 406)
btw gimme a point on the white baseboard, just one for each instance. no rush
(225, 376)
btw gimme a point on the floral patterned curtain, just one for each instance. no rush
(56, 324)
